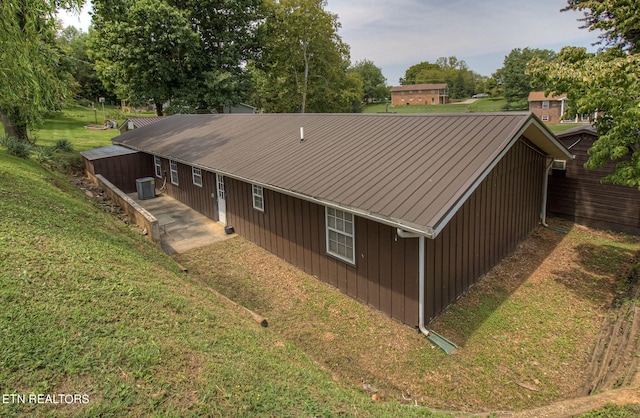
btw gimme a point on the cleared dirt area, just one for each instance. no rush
(529, 331)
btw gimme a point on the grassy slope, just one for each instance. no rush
(88, 306)
(69, 124)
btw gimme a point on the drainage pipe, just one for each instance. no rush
(421, 247)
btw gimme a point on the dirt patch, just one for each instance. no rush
(528, 330)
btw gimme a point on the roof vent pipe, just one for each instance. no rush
(301, 134)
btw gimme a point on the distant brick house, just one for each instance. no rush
(419, 94)
(548, 108)
(551, 109)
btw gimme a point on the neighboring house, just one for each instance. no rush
(401, 212)
(577, 194)
(551, 109)
(239, 108)
(419, 94)
(134, 123)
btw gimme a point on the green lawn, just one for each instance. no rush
(69, 124)
(480, 105)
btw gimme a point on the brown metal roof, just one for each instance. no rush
(409, 170)
(420, 87)
(105, 152)
(584, 129)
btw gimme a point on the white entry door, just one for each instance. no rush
(222, 200)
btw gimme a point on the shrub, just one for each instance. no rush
(16, 147)
(63, 145)
(43, 155)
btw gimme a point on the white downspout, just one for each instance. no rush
(421, 247)
(543, 214)
(421, 326)
(545, 187)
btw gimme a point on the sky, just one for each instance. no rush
(396, 34)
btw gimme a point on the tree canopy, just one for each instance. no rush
(303, 62)
(617, 19)
(32, 78)
(607, 82)
(147, 53)
(187, 50)
(373, 81)
(513, 77)
(450, 70)
(75, 45)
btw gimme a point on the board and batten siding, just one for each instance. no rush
(385, 274)
(578, 195)
(202, 199)
(498, 215)
(122, 170)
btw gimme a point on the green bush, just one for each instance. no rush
(43, 155)
(63, 145)
(16, 147)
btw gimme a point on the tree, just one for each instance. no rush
(423, 72)
(192, 51)
(74, 44)
(513, 78)
(32, 79)
(606, 82)
(374, 83)
(450, 70)
(303, 63)
(618, 19)
(147, 54)
(227, 31)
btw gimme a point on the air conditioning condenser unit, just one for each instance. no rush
(146, 188)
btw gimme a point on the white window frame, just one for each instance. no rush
(545, 118)
(339, 232)
(196, 176)
(545, 104)
(257, 195)
(174, 172)
(157, 162)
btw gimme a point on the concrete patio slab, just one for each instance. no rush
(181, 228)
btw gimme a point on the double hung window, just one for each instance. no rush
(258, 198)
(340, 234)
